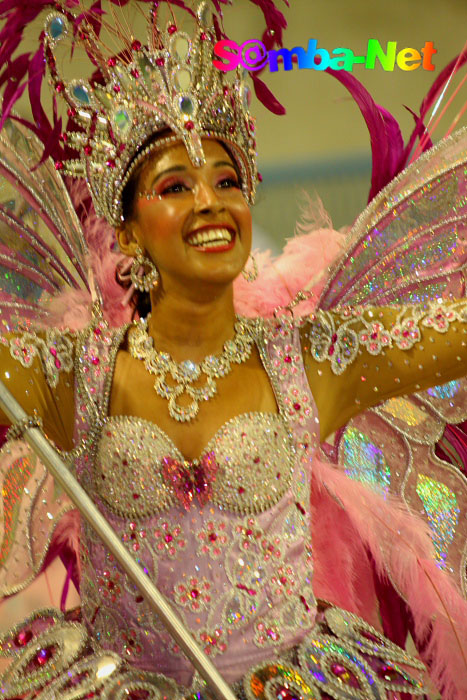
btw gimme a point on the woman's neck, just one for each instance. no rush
(191, 328)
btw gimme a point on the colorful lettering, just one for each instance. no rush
(406, 58)
(428, 51)
(374, 51)
(343, 59)
(287, 60)
(232, 57)
(253, 56)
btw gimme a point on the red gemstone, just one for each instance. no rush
(260, 177)
(111, 163)
(111, 62)
(388, 673)
(23, 637)
(71, 111)
(135, 73)
(212, 537)
(95, 360)
(203, 36)
(287, 359)
(168, 538)
(172, 29)
(136, 45)
(194, 593)
(58, 165)
(331, 350)
(297, 406)
(334, 338)
(189, 125)
(136, 496)
(338, 669)
(116, 88)
(231, 129)
(43, 656)
(160, 61)
(285, 694)
(59, 87)
(369, 636)
(241, 490)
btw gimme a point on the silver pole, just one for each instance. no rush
(92, 515)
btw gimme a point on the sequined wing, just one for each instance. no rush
(410, 244)
(42, 248)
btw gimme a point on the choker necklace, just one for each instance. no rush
(185, 373)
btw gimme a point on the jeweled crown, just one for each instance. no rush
(169, 84)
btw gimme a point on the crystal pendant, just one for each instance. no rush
(205, 15)
(57, 27)
(182, 79)
(246, 97)
(189, 370)
(180, 47)
(81, 93)
(122, 120)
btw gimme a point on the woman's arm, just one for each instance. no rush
(356, 358)
(38, 370)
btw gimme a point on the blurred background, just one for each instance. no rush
(321, 145)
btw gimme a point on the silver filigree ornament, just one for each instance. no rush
(185, 374)
(169, 84)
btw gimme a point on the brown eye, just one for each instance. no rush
(228, 182)
(174, 188)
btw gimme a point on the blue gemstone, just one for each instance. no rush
(81, 93)
(56, 27)
(186, 106)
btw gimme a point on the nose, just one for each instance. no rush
(206, 198)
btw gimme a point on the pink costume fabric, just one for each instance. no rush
(238, 569)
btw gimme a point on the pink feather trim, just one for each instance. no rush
(401, 547)
(303, 265)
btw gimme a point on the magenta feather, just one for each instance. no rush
(385, 136)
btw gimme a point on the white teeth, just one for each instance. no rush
(214, 238)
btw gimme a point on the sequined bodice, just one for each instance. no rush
(235, 566)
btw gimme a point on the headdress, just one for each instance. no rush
(169, 83)
(164, 81)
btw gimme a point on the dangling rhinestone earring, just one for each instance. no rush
(251, 275)
(143, 282)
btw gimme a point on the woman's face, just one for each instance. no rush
(196, 224)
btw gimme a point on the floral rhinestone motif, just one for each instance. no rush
(340, 343)
(55, 352)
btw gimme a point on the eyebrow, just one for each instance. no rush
(181, 168)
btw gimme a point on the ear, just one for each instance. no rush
(127, 238)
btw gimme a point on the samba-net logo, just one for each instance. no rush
(253, 56)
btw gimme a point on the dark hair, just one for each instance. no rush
(140, 301)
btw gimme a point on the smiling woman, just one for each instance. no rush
(183, 211)
(197, 431)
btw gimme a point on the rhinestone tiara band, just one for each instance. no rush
(171, 83)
